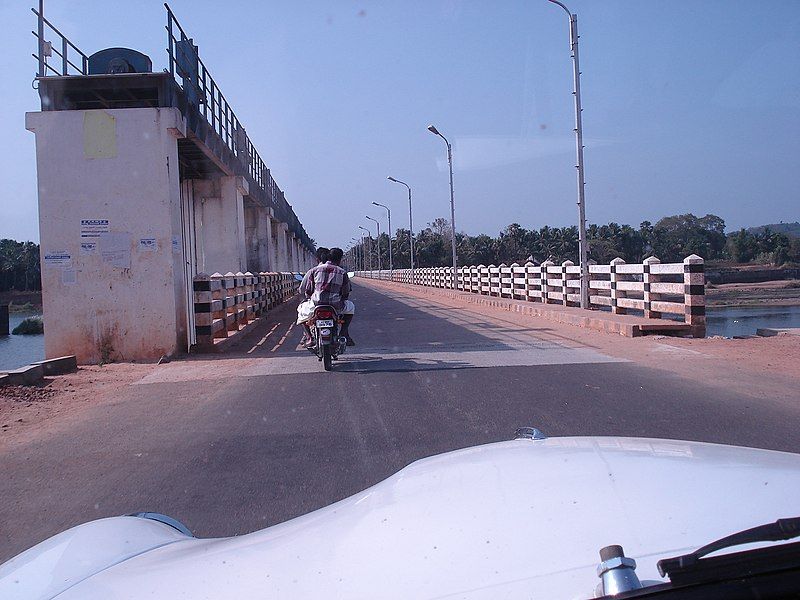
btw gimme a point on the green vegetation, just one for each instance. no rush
(19, 266)
(671, 239)
(789, 229)
(30, 326)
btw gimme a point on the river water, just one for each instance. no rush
(731, 321)
(20, 350)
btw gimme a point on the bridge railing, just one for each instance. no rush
(225, 304)
(657, 290)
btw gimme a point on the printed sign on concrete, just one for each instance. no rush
(115, 249)
(148, 245)
(58, 258)
(92, 228)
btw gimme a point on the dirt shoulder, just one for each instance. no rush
(765, 368)
(29, 410)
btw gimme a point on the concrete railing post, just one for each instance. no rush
(647, 280)
(249, 294)
(241, 312)
(592, 277)
(564, 279)
(506, 281)
(615, 293)
(229, 289)
(208, 310)
(545, 280)
(494, 280)
(694, 294)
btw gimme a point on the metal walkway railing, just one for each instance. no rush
(64, 49)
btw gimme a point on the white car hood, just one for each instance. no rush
(521, 519)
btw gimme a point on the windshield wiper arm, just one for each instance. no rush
(782, 529)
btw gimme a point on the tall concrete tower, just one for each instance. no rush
(146, 180)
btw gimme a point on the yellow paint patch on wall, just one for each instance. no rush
(99, 134)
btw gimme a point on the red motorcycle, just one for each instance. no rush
(328, 343)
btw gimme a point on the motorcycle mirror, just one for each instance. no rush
(351, 274)
(298, 277)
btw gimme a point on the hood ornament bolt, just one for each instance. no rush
(529, 433)
(616, 571)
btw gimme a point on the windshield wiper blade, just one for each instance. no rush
(782, 529)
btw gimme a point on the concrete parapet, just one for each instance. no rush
(59, 366)
(652, 287)
(225, 304)
(30, 375)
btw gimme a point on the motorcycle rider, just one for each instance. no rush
(306, 308)
(329, 284)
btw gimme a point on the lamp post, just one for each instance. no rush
(389, 213)
(576, 71)
(435, 131)
(354, 241)
(410, 224)
(370, 252)
(378, 225)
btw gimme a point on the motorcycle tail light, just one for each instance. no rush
(323, 314)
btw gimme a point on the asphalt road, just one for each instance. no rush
(252, 443)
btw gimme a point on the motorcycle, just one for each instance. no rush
(326, 327)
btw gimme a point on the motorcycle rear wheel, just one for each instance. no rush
(327, 358)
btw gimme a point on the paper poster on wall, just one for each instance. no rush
(92, 228)
(148, 245)
(99, 134)
(57, 258)
(69, 277)
(115, 249)
(88, 248)
(176, 244)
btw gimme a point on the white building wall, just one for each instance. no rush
(121, 295)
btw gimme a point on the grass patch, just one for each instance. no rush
(30, 326)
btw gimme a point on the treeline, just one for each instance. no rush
(671, 239)
(19, 266)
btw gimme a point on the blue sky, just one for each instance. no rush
(689, 106)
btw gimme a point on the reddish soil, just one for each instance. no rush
(24, 409)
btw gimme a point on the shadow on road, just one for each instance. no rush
(379, 364)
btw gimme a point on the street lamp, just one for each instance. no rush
(389, 212)
(377, 223)
(576, 71)
(370, 252)
(354, 241)
(410, 223)
(435, 131)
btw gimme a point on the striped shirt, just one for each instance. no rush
(326, 284)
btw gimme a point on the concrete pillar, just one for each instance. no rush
(253, 261)
(298, 263)
(265, 247)
(220, 204)
(113, 283)
(258, 235)
(279, 232)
